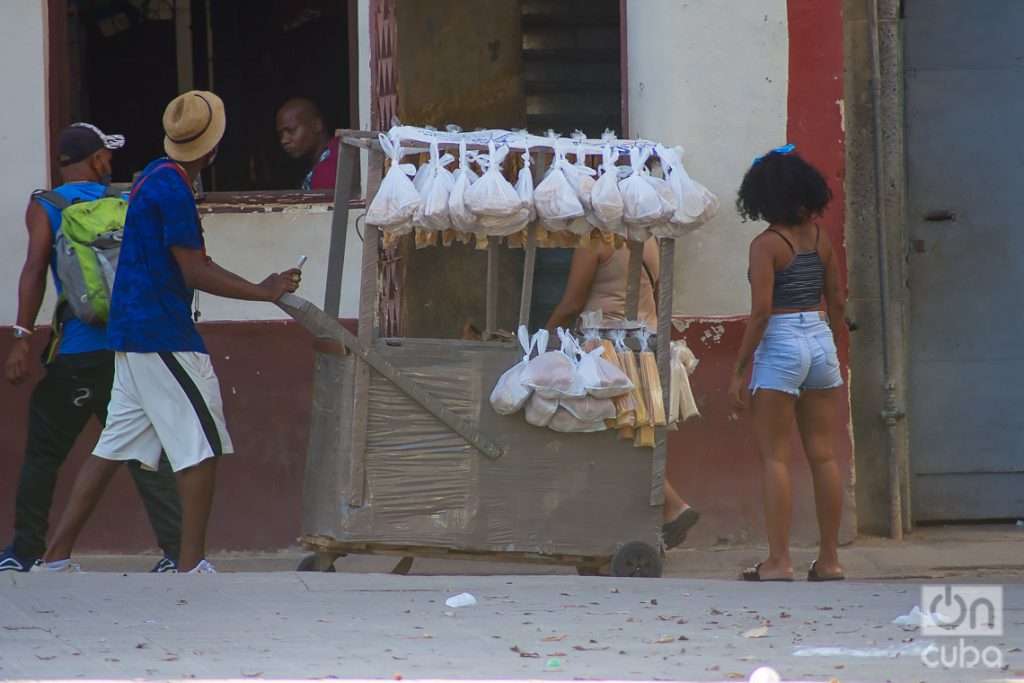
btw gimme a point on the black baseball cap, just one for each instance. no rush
(79, 141)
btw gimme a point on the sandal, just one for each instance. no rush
(674, 532)
(754, 574)
(815, 577)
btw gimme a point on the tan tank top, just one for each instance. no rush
(608, 291)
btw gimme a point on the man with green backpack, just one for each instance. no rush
(75, 232)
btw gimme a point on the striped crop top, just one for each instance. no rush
(800, 284)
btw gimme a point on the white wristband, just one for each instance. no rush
(24, 330)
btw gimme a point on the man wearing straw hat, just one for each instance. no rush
(165, 395)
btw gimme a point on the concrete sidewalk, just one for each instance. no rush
(973, 552)
(313, 625)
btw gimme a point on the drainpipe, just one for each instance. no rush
(892, 412)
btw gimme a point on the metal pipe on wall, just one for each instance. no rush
(892, 412)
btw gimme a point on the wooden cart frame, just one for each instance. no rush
(341, 480)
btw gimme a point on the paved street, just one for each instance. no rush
(284, 624)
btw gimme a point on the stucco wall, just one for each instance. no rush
(711, 76)
(23, 134)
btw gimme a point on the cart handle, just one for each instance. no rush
(322, 325)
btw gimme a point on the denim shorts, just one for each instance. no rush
(797, 353)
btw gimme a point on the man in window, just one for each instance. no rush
(303, 135)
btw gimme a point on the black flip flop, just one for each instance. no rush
(814, 577)
(754, 574)
(674, 532)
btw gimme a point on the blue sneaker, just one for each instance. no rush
(165, 566)
(9, 562)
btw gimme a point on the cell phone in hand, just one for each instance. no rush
(302, 262)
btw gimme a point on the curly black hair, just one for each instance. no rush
(782, 189)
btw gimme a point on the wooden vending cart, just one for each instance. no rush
(407, 457)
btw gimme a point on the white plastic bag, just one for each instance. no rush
(461, 217)
(524, 186)
(492, 195)
(564, 421)
(501, 225)
(589, 409)
(600, 378)
(605, 197)
(641, 205)
(397, 200)
(555, 199)
(509, 394)
(433, 212)
(553, 375)
(540, 410)
(695, 204)
(682, 405)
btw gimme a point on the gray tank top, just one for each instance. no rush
(800, 284)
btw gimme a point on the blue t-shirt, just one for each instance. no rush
(151, 306)
(76, 336)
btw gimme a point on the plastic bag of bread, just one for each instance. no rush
(601, 378)
(564, 421)
(589, 409)
(554, 374)
(492, 195)
(510, 393)
(555, 199)
(641, 205)
(397, 200)
(540, 410)
(433, 213)
(605, 198)
(462, 218)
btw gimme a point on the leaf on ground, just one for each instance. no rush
(524, 653)
(665, 639)
(759, 632)
(554, 639)
(582, 648)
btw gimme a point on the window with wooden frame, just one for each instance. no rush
(117, 63)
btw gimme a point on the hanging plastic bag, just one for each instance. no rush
(524, 185)
(393, 207)
(492, 195)
(553, 374)
(695, 204)
(433, 212)
(461, 217)
(540, 410)
(510, 393)
(600, 378)
(682, 405)
(564, 421)
(641, 205)
(605, 198)
(589, 408)
(556, 200)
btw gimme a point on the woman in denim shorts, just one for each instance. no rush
(796, 303)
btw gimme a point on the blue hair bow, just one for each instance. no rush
(785, 149)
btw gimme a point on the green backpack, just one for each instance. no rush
(87, 245)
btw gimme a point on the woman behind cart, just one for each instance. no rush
(789, 338)
(597, 281)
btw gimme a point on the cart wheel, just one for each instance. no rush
(317, 562)
(636, 559)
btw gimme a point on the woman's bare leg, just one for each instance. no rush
(773, 413)
(817, 419)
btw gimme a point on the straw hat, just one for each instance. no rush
(193, 125)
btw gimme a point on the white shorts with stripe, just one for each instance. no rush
(166, 402)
